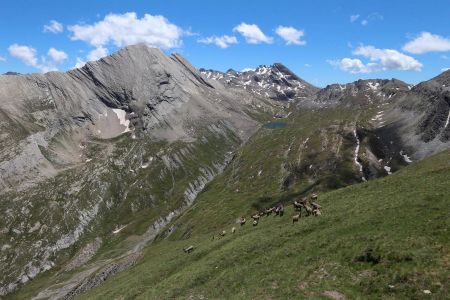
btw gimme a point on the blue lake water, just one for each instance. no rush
(274, 125)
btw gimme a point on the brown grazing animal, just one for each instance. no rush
(255, 217)
(295, 218)
(315, 205)
(308, 210)
(297, 205)
(188, 249)
(281, 210)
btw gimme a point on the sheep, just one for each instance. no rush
(223, 233)
(316, 212)
(308, 209)
(297, 206)
(242, 221)
(315, 205)
(314, 196)
(255, 217)
(281, 210)
(255, 222)
(269, 211)
(233, 230)
(188, 249)
(295, 218)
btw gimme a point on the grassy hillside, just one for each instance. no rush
(387, 238)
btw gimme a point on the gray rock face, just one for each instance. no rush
(421, 116)
(361, 92)
(137, 89)
(274, 82)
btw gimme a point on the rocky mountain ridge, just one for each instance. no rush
(274, 82)
(125, 144)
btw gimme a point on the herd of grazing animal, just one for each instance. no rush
(310, 206)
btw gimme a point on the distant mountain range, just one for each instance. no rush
(137, 135)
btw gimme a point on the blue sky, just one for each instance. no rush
(322, 41)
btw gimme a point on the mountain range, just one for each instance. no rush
(98, 163)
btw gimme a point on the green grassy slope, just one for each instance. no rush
(126, 193)
(387, 238)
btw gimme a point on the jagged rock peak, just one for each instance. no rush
(367, 90)
(276, 82)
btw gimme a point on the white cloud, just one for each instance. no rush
(25, 53)
(352, 65)
(379, 60)
(427, 42)
(353, 18)
(252, 33)
(56, 55)
(445, 69)
(93, 55)
(2, 58)
(307, 65)
(97, 53)
(127, 29)
(28, 56)
(221, 41)
(247, 69)
(369, 18)
(44, 68)
(79, 63)
(290, 35)
(54, 27)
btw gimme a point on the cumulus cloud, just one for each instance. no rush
(354, 18)
(379, 60)
(290, 35)
(79, 63)
(221, 41)
(427, 42)
(97, 53)
(54, 27)
(56, 55)
(127, 29)
(352, 65)
(252, 34)
(25, 53)
(364, 22)
(93, 55)
(28, 55)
